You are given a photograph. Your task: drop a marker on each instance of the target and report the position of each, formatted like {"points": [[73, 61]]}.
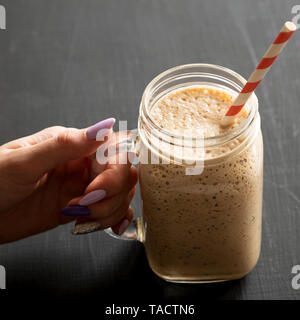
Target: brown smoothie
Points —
{"points": [[203, 227]]}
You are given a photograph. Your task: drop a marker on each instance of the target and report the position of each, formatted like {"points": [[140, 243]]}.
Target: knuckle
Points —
{"points": [[80, 133], [64, 138], [116, 217], [57, 128], [116, 180], [51, 131]]}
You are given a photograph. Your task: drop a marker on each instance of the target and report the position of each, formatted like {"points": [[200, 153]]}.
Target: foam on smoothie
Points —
{"points": [[194, 111]]}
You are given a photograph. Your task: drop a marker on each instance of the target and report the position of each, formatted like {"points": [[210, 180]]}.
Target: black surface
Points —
{"points": [[75, 62]]}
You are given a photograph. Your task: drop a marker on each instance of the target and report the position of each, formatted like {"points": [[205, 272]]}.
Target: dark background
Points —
{"points": [[73, 63]]}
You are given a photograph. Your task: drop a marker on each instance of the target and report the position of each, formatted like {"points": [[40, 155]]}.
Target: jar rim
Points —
{"points": [[229, 135]]}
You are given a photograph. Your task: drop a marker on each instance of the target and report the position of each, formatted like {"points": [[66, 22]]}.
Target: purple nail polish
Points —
{"points": [[76, 211], [123, 226], [92, 197], [91, 132], [101, 134]]}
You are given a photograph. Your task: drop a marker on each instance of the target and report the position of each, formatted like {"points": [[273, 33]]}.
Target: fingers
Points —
{"points": [[115, 150], [34, 138], [84, 225], [99, 209], [119, 221], [121, 226], [67, 144], [117, 215], [106, 191], [106, 208], [113, 180], [109, 154]]}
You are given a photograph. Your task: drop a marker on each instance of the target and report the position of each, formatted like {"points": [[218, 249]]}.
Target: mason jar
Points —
{"points": [[200, 220]]}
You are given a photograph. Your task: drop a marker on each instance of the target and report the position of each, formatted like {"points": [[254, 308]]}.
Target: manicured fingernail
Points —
{"points": [[86, 227], [102, 134], [92, 197], [76, 211], [123, 226], [91, 132]]}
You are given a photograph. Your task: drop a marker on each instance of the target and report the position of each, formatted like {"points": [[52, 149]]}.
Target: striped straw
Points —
{"points": [[261, 70]]}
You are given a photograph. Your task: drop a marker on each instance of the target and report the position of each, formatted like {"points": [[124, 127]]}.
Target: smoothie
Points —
{"points": [[203, 227]]}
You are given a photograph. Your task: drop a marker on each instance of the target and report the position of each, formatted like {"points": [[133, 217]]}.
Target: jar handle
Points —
{"points": [[128, 141], [135, 230]]}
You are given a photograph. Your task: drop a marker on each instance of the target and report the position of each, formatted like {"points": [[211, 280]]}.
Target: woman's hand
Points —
{"points": [[45, 181]]}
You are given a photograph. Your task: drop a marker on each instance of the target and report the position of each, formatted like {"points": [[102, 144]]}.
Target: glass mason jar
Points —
{"points": [[202, 226]]}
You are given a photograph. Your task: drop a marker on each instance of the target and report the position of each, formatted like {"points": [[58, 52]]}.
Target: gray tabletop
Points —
{"points": [[74, 62]]}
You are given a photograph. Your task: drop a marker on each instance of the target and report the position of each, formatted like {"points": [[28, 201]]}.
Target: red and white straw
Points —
{"points": [[261, 70]]}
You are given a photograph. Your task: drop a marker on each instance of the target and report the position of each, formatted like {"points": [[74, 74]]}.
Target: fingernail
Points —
{"points": [[101, 134], [86, 227], [76, 211], [123, 226], [91, 132], [92, 197]]}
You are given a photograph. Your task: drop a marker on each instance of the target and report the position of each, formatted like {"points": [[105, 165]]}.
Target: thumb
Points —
{"points": [[66, 145]]}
